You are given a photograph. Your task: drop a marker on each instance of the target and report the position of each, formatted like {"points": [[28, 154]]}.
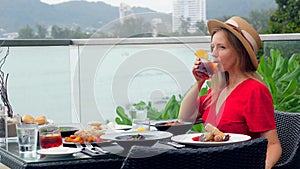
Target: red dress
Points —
{"points": [[247, 110]]}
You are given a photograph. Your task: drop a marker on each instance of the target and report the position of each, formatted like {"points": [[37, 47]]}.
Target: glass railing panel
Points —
{"points": [[39, 81], [286, 47], [119, 75]]}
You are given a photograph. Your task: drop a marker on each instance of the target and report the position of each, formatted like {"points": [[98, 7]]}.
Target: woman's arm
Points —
{"points": [[274, 148], [189, 105]]}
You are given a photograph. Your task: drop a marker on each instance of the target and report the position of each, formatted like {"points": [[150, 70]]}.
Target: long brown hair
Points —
{"points": [[221, 79]]}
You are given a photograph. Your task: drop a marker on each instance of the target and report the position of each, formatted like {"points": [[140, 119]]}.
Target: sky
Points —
{"points": [[157, 5]]}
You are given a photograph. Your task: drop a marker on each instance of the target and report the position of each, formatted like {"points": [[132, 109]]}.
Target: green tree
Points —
{"points": [[66, 33], [260, 19], [56, 32], [286, 18], [26, 33], [133, 27], [42, 31], [185, 26], [201, 28]]}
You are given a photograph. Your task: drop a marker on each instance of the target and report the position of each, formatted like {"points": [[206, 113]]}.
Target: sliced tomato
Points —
{"points": [[72, 136], [197, 138]]}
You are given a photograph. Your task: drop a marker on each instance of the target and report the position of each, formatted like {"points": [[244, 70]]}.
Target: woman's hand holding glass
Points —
{"points": [[203, 67], [200, 71]]}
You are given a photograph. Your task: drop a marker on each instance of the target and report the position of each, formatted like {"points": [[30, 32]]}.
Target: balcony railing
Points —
{"points": [[85, 80]]}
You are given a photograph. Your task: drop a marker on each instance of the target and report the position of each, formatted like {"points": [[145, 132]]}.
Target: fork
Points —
{"points": [[78, 145], [89, 145]]}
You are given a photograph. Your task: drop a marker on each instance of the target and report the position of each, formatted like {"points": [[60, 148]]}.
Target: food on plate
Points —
{"points": [[29, 119], [74, 139], [212, 134], [141, 129], [40, 120], [137, 137], [134, 137], [86, 135], [95, 125], [173, 123]]}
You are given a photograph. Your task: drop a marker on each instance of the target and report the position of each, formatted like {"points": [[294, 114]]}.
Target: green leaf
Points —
{"points": [[124, 118], [291, 75], [175, 111], [198, 128], [291, 88], [118, 120]]}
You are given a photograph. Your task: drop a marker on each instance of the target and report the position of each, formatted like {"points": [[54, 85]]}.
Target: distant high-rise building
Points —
{"points": [[192, 11]]}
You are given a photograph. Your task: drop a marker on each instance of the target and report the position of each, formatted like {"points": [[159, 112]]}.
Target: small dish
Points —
{"points": [[59, 151], [66, 131], [118, 127], [174, 126]]}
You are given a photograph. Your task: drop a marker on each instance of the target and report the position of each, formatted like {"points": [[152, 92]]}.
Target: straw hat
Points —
{"points": [[243, 31]]}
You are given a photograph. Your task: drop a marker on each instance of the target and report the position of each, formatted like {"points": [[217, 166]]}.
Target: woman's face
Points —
{"points": [[224, 53]]}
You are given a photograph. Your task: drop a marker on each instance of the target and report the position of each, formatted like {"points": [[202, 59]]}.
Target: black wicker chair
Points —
{"points": [[245, 155], [288, 128]]}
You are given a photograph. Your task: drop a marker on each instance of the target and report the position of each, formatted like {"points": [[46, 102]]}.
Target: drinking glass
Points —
{"points": [[208, 68], [50, 136], [140, 122], [27, 137], [141, 125]]}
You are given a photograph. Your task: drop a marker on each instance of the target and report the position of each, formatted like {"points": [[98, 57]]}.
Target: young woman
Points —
{"points": [[238, 101]]}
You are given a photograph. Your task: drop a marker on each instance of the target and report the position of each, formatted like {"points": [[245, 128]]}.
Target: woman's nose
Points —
{"points": [[214, 54]]}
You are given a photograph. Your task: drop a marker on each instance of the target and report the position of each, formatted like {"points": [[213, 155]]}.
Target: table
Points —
{"points": [[10, 156]]}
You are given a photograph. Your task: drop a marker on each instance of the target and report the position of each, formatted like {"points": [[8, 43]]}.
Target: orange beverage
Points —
{"points": [[50, 136], [50, 141], [208, 67]]}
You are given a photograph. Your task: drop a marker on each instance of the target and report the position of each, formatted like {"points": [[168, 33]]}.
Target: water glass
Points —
{"points": [[27, 137], [141, 125], [138, 113], [50, 136]]}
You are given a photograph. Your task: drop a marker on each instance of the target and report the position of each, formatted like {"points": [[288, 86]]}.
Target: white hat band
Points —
{"points": [[244, 33]]}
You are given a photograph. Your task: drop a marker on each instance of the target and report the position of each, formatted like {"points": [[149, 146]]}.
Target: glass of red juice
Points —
{"points": [[50, 137]]}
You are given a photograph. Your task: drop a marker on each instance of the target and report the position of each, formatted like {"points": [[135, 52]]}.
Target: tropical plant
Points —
{"points": [[170, 111], [282, 76]]}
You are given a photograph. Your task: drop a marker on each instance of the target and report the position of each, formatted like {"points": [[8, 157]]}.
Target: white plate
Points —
{"points": [[58, 151], [187, 139], [122, 127], [112, 126], [151, 137]]}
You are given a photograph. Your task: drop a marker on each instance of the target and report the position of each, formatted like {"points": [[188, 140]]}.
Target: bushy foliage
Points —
{"points": [[282, 76], [286, 18]]}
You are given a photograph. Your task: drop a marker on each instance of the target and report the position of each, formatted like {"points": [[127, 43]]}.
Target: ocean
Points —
{"points": [[86, 83]]}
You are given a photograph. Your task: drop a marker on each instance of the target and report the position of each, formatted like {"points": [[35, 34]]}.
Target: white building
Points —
{"points": [[194, 10]]}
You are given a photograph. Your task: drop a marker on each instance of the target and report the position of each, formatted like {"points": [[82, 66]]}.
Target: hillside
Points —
{"points": [[17, 14], [219, 8]]}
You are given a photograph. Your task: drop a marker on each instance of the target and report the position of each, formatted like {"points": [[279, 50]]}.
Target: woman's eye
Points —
{"points": [[222, 47], [212, 48]]}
